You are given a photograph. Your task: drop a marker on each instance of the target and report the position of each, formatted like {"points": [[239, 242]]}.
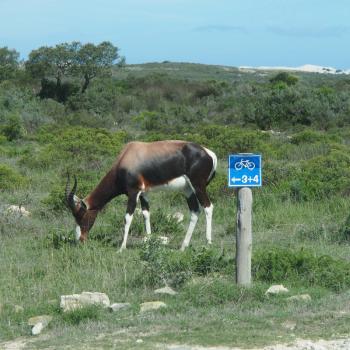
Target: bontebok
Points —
{"points": [[141, 168]]}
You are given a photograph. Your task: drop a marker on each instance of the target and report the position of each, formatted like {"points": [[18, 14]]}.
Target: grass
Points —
{"points": [[39, 262], [209, 309]]}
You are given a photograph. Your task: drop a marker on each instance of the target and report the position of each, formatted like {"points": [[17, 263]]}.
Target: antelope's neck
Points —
{"points": [[104, 192]]}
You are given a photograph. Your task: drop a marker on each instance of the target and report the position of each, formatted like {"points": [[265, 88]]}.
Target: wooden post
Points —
{"points": [[244, 236]]}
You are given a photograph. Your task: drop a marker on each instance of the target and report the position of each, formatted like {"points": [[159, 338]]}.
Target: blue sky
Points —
{"points": [[227, 32]]}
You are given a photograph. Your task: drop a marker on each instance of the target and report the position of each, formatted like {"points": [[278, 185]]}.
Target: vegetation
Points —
{"points": [[74, 106]]}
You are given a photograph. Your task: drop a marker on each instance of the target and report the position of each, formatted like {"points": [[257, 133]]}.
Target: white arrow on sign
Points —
{"points": [[234, 179]]}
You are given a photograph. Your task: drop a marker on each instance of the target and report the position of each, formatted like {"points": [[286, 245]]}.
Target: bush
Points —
{"points": [[13, 128], [284, 77], [301, 267], [311, 136], [79, 148], [164, 266], [10, 179], [206, 292], [86, 313], [344, 231], [324, 176]]}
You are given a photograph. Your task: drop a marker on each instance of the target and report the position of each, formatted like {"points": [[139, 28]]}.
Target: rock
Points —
{"points": [[119, 306], [164, 240], [178, 216], [39, 323], [37, 328], [165, 290], [139, 341], [70, 302], [276, 289], [94, 298], [290, 325], [75, 301], [17, 209], [44, 319], [152, 305], [300, 297]]}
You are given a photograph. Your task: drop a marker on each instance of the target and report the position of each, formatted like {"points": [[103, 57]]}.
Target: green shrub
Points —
{"points": [[302, 267], [324, 176], [10, 179], [83, 314], [312, 136], [13, 128], [284, 77], [78, 148], [344, 232], [207, 291], [162, 265]]}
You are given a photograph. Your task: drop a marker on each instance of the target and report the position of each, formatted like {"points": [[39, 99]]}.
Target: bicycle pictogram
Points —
{"points": [[245, 164]]}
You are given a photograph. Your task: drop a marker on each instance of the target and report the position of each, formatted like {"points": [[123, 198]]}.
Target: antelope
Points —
{"points": [[144, 167]]}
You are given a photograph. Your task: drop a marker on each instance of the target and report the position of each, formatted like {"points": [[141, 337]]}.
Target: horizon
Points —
{"points": [[274, 33]]}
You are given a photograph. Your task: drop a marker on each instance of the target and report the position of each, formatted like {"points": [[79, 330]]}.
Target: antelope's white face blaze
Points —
{"points": [[77, 232]]}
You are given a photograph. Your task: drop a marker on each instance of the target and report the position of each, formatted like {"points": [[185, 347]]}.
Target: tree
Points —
{"points": [[95, 60], [284, 77], [8, 63], [52, 62], [68, 60]]}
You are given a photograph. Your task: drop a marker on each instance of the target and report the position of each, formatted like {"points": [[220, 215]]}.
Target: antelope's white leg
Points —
{"points": [[128, 220], [192, 225], [208, 215], [77, 232], [146, 216]]}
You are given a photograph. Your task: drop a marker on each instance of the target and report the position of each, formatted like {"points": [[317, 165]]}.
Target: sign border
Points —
{"points": [[245, 185]]}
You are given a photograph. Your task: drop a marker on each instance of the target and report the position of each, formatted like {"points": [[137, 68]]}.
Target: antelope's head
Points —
{"points": [[84, 217]]}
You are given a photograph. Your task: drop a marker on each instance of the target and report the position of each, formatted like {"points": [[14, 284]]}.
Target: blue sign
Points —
{"points": [[244, 170]]}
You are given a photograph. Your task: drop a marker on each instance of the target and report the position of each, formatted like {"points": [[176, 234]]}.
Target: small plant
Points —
{"points": [[10, 179], [175, 267], [344, 231], [13, 128], [83, 314], [278, 265]]}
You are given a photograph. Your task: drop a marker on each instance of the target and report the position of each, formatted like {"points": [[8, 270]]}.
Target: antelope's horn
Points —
{"points": [[70, 194]]}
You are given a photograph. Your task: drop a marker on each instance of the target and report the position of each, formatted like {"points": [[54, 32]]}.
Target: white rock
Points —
{"points": [[139, 341], [75, 301], [276, 289], [178, 216], [119, 306], [152, 305], [300, 297], [164, 240], [70, 302], [16, 209], [37, 328], [165, 290], [290, 325], [94, 298], [39, 323]]}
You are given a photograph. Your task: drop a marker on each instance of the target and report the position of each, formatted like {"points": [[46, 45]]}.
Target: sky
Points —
{"points": [[222, 32]]}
